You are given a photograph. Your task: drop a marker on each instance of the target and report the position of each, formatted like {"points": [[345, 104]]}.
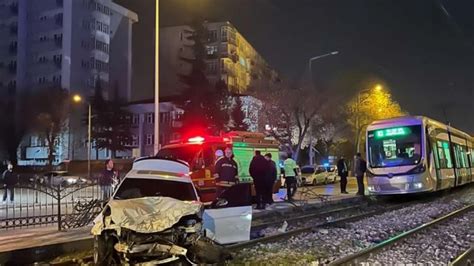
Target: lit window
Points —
{"points": [[211, 49]]}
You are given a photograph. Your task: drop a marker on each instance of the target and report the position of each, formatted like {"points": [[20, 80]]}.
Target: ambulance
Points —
{"points": [[200, 153]]}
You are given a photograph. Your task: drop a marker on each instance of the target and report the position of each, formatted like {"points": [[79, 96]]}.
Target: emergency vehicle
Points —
{"points": [[200, 153]]}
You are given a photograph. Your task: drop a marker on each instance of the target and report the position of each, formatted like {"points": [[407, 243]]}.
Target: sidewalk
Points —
{"points": [[40, 236]]}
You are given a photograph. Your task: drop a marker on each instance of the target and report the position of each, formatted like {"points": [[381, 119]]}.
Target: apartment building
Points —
{"points": [[229, 57], [66, 43]]}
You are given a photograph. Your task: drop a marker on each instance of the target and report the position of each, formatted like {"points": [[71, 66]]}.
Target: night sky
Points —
{"points": [[422, 50]]}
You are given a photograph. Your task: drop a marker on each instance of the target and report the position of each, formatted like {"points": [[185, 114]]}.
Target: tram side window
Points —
{"points": [[445, 160], [461, 156], [472, 158]]}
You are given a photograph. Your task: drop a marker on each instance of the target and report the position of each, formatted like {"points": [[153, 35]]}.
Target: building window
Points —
{"points": [[57, 79], [211, 49], [102, 46], [134, 140], [150, 118], [149, 139], [135, 119], [42, 59], [213, 35], [165, 118], [101, 65], [43, 18], [211, 67], [43, 38], [100, 26], [42, 80], [224, 33], [58, 58]]}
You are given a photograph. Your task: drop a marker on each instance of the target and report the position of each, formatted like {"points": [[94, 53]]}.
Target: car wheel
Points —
{"points": [[104, 252]]}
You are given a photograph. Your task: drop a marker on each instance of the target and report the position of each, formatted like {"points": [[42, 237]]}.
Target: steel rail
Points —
{"points": [[361, 256], [277, 237], [466, 258]]}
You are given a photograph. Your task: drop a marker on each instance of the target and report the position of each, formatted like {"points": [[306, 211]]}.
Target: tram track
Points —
{"points": [[309, 228], [362, 256], [316, 219]]}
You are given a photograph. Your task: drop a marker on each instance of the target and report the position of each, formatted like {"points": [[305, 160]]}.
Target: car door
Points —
{"points": [[229, 218]]}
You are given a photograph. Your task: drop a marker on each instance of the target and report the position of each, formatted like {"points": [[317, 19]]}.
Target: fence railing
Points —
{"points": [[41, 205]]}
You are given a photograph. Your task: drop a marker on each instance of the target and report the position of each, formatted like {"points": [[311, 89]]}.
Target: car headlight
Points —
{"points": [[371, 188], [71, 180], [417, 185]]}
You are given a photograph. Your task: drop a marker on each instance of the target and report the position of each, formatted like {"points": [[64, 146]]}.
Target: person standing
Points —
{"points": [[291, 171], [343, 172], [360, 166], [270, 180], [259, 169], [9, 182], [226, 171], [107, 179]]}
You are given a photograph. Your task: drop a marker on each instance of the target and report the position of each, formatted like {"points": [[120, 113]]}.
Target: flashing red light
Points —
{"points": [[196, 140], [226, 139]]}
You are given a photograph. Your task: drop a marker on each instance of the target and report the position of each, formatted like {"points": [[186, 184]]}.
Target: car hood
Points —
{"points": [[145, 215]]}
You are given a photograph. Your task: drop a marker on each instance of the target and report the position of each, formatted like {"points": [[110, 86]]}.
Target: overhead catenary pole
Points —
{"points": [[157, 77], [311, 153]]}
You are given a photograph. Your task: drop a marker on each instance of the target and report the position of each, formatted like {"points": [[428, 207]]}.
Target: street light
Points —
{"points": [[78, 99], [318, 57], [311, 153]]}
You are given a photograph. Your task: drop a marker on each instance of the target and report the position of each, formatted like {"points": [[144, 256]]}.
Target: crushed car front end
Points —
{"points": [[154, 230]]}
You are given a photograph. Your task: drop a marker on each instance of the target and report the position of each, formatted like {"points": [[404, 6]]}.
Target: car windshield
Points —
{"points": [[132, 188], [396, 146], [307, 170]]}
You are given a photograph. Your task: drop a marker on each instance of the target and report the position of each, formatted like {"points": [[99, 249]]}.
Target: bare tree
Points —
{"points": [[51, 108], [290, 113]]}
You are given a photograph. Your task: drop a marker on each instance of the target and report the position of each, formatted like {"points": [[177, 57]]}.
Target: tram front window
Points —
{"points": [[395, 146]]}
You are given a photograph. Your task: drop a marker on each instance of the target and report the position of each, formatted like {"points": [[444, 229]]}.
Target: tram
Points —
{"points": [[415, 154]]}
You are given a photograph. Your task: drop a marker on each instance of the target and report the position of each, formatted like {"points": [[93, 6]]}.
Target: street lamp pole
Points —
{"points": [[311, 152], [78, 99], [89, 131], [157, 77]]}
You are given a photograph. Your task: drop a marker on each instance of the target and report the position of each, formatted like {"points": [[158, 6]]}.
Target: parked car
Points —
{"points": [[58, 178], [155, 216], [320, 174]]}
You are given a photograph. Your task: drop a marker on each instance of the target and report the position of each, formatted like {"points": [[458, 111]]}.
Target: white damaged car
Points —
{"points": [[155, 217]]}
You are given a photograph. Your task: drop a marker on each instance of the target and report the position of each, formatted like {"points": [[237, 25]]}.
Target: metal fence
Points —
{"points": [[41, 205]]}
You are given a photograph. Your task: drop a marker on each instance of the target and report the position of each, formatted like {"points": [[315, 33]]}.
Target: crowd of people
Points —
{"points": [[264, 173]]}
